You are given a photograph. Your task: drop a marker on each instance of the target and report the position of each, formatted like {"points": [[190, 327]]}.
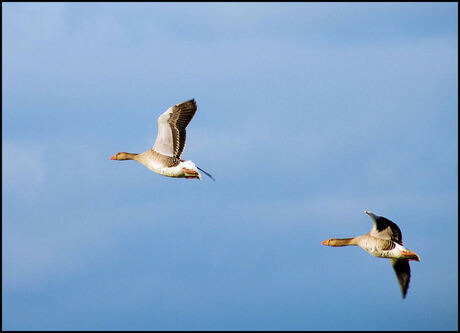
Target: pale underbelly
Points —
{"points": [[176, 171]]}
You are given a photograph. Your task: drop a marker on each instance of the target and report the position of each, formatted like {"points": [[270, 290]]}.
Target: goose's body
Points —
{"points": [[383, 241], [164, 157]]}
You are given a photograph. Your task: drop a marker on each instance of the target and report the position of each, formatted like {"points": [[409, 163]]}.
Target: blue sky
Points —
{"points": [[308, 115]]}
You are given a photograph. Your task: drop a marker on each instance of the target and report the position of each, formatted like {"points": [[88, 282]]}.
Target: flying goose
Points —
{"points": [[165, 155], [384, 241]]}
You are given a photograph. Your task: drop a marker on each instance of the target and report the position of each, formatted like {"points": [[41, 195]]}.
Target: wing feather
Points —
{"points": [[402, 270], [171, 128], [385, 229]]}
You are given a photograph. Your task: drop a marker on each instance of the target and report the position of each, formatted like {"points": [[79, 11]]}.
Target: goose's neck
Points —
{"points": [[127, 156], [130, 156], [342, 241]]}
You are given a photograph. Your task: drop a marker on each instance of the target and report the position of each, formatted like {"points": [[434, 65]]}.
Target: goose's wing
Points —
{"points": [[171, 129], [385, 229], [402, 270]]}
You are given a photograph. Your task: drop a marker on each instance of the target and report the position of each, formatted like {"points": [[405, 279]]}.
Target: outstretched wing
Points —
{"points": [[402, 270], [171, 129], [385, 229]]}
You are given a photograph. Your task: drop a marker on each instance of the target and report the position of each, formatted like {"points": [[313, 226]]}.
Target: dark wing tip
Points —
{"points": [[190, 101], [402, 270]]}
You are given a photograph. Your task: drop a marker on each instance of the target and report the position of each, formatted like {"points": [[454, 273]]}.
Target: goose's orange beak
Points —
{"points": [[114, 157], [324, 242]]}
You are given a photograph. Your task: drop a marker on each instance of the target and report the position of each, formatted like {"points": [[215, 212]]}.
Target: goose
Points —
{"points": [[383, 241], [164, 157]]}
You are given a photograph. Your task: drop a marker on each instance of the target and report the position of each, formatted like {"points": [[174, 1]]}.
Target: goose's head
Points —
{"points": [[121, 156]]}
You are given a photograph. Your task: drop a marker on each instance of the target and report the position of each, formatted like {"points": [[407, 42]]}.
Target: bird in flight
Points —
{"points": [[165, 157], [384, 241]]}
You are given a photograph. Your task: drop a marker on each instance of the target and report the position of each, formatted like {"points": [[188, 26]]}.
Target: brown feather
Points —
{"points": [[180, 117]]}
